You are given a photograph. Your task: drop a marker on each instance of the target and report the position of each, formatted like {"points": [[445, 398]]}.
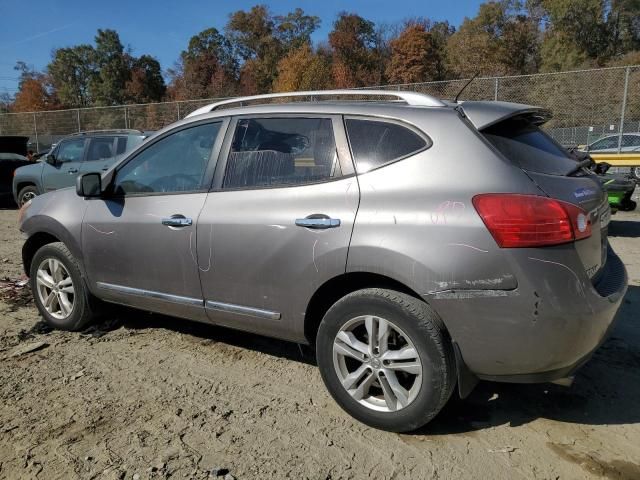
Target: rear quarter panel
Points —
{"points": [[416, 222]]}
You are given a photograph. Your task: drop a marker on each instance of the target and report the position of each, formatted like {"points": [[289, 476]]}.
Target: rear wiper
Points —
{"points": [[579, 166]]}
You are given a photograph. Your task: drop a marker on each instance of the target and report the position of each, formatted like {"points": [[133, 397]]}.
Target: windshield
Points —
{"points": [[529, 147]]}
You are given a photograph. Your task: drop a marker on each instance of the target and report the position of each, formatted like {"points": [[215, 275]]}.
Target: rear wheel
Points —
{"points": [[59, 290], [386, 359], [27, 193], [627, 205], [635, 171]]}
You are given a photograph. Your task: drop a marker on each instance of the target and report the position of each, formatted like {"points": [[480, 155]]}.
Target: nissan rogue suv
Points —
{"points": [[418, 244]]}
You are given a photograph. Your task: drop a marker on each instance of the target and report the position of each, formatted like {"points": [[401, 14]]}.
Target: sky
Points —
{"points": [[30, 30]]}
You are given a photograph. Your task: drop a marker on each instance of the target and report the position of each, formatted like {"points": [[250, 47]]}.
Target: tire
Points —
{"points": [[26, 194], [434, 375], [635, 172], [59, 315], [628, 205]]}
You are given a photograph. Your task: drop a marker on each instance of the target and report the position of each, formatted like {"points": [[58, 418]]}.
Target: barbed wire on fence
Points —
{"points": [[586, 105]]}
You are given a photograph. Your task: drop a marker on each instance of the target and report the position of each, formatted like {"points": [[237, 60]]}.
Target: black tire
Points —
{"points": [[425, 330], [26, 194], [84, 304], [635, 172], [628, 205]]}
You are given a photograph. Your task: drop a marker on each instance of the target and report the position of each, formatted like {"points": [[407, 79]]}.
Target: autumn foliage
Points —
{"points": [[258, 52]]}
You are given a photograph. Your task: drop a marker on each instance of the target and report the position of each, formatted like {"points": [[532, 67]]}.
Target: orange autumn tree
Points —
{"points": [[303, 69], [414, 56]]}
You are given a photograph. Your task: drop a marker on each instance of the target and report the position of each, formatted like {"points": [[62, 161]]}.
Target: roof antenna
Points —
{"points": [[455, 100]]}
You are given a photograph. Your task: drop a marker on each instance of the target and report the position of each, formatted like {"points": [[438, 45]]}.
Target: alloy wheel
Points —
{"points": [[377, 364], [55, 288]]}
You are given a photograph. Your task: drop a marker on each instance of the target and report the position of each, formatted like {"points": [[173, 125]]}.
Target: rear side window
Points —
{"points": [[100, 148], [122, 145], [271, 152], [529, 147], [375, 143]]}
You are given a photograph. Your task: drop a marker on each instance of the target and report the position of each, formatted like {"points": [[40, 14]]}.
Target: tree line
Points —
{"points": [[260, 52]]}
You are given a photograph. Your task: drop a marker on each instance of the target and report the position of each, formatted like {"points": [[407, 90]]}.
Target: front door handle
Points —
{"points": [[72, 170], [319, 222], [177, 221]]}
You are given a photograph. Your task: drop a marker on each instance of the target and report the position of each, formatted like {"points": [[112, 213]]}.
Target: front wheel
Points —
{"points": [[27, 193], [386, 359], [58, 288]]}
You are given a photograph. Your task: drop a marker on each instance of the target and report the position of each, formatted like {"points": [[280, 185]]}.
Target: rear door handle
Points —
{"points": [[318, 222], [73, 170], [177, 221]]}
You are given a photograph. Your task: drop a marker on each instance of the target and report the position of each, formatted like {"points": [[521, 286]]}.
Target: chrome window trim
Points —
{"points": [[241, 310]]}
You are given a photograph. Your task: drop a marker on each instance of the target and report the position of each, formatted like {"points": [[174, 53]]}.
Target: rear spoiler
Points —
{"points": [[486, 114]]}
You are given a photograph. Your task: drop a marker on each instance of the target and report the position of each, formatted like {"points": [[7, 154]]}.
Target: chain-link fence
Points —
{"points": [[586, 104]]}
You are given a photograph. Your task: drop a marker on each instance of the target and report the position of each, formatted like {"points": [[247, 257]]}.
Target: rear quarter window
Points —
{"points": [[527, 146], [375, 143]]}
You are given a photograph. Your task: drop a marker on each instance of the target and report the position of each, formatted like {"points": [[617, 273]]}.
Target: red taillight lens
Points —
{"points": [[531, 221]]}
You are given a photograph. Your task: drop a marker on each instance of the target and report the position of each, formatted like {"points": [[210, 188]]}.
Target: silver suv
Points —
{"points": [[416, 243]]}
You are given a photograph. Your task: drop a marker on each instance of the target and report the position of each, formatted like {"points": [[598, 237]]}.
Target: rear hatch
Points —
{"points": [[514, 130]]}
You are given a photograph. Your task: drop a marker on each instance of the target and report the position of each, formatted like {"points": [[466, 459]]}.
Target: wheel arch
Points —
{"points": [[25, 183], [22, 184], [336, 288], [32, 245]]}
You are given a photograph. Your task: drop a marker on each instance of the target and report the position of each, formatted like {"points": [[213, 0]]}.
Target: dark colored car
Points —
{"points": [[12, 156]]}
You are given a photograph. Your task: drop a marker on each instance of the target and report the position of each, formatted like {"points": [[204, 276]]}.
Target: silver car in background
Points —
{"points": [[418, 244]]}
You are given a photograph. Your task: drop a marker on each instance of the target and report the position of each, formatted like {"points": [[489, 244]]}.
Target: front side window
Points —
{"points": [[268, 152], [176, 163], [70, 151], [375, 143], [121, 146], [100, 148]]}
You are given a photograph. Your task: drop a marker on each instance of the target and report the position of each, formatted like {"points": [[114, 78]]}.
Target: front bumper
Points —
{"points": [[546, 328]]}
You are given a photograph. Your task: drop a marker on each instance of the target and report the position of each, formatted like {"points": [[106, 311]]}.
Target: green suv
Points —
{"points": [[83, 152]]}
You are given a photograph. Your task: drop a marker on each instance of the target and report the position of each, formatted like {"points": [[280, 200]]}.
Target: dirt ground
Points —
{"points": [[145, 396]]}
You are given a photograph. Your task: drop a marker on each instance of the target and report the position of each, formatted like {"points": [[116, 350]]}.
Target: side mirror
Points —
{"points": [[51, 159], [89, 185]]}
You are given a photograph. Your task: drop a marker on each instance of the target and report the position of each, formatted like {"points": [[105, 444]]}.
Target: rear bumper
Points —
{"points": [[546, 328]]}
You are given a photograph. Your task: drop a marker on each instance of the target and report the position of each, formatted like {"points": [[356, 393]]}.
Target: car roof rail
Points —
{"points": [[108, 131], [410, 98]]}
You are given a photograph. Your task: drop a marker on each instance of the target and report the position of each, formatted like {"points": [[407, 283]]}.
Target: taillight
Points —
{"points": [[517, 220]]}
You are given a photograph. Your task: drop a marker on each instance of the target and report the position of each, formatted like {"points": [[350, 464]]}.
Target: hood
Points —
{"points": [[33, 169], [485, 114]]}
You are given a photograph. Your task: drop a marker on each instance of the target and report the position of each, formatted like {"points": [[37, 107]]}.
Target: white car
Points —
{"points": [[609, 144]]}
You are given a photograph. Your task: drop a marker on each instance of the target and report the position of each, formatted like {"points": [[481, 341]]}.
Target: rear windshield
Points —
{"points": [[529, 147]]}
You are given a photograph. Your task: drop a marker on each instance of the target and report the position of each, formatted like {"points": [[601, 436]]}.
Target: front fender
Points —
{"points": [[54, 216], [31, 174]]}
